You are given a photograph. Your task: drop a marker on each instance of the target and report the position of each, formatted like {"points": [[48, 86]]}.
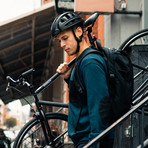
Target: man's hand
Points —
{"points": [[64, 70]]}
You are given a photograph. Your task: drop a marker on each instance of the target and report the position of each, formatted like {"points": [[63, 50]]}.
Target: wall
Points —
{"points": [[145, 13], [120, 26]]}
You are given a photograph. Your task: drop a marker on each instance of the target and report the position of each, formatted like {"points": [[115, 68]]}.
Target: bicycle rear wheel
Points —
{"points": [[136, 46], [31, 135]]}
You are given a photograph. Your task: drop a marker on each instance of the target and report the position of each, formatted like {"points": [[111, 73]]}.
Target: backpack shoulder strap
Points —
{"points": [[78, 83], [86, 52]]}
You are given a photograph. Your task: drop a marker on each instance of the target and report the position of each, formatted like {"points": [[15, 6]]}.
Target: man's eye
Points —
{"points": [[65, 38]]}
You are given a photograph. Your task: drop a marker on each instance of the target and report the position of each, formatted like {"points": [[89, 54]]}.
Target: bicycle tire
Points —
{"points": [[30, 136], [132, 38], [136, 46]]}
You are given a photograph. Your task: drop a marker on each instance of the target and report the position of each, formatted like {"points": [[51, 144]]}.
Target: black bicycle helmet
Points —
{"points": [[65, 21]]}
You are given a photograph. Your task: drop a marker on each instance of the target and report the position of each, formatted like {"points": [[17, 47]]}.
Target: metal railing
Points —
{"points": [[140, 105]]}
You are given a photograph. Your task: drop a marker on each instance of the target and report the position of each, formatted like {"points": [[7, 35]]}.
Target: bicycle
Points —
{"points": [[43, 130], [136, 46]]}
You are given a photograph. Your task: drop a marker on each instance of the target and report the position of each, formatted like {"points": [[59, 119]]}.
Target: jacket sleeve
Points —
{"points": [[94, 78]]}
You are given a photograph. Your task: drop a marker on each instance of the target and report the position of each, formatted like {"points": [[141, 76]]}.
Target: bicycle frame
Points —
{"points": [[44, 123], [40, 113]]}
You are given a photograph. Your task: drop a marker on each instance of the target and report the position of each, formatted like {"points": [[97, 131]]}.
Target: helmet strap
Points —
{"points": [[78, 40]]}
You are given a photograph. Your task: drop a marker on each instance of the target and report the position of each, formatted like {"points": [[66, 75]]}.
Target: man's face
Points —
{"points": [[67, 42]]}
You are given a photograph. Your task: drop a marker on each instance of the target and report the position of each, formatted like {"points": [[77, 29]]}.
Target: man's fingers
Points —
{"points": [[62, 68]]}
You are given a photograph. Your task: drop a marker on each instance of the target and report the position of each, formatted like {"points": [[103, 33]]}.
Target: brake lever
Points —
{"points": [[12, 80]]}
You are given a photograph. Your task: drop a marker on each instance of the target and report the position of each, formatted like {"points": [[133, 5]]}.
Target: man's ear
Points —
{"points": [[78, 32]]}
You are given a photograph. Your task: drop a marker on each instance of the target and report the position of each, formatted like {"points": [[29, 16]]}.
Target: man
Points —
{"points": [[84, 120]]}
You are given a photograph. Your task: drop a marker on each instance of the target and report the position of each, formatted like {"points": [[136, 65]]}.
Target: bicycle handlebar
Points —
{"points": [[23, 75], [21, 80]]}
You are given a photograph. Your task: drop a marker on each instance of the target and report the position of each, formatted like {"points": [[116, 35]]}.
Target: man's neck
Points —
{"points": [[83, 46]]}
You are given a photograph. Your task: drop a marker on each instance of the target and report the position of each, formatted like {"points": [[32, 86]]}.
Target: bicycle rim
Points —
{"points": [[136, 46], [31, 134]]}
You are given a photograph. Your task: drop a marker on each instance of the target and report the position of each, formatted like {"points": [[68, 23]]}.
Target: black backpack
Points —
{"points": [[120, 83]]}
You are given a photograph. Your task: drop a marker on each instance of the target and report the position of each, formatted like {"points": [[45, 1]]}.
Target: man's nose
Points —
{"points": [[62, 44]]}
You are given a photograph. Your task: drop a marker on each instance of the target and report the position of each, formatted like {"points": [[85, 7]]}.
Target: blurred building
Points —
{"points": [[3, 114]]}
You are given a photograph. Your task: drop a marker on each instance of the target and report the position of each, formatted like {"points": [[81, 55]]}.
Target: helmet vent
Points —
{"points": [[73, 14], [62, 20], [68, 17]]}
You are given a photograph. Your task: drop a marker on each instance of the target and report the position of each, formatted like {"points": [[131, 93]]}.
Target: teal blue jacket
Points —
{"points": [[84, 121]]}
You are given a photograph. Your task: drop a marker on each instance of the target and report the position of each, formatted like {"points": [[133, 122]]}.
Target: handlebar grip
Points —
{"points": [[24, 74]]}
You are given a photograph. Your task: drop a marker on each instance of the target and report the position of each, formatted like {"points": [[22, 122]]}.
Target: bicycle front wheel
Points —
{"points": [[136, 46], [31, 135]]}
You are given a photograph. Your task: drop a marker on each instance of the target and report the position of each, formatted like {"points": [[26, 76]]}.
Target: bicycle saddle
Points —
{"points": [[91, 20]]}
